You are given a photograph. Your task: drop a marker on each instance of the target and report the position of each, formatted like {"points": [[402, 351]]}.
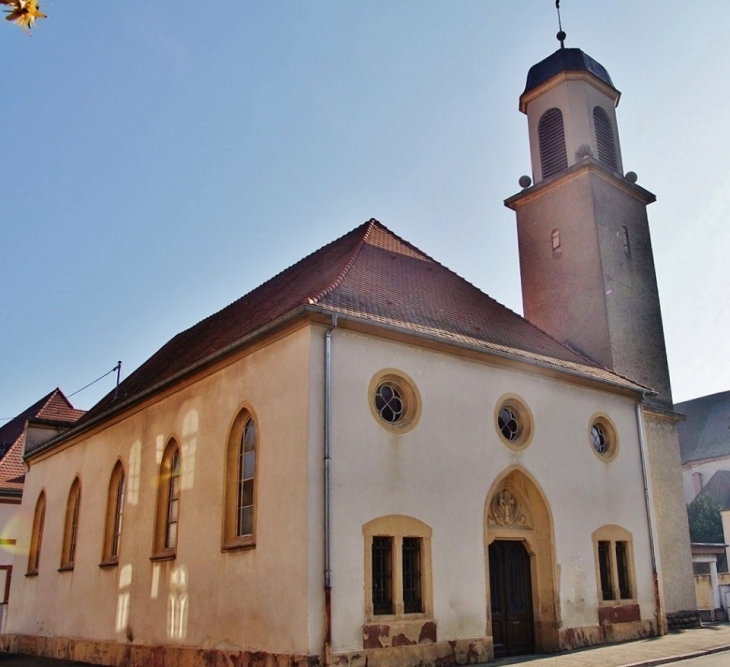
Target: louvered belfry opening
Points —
{"points": [[605, 139], [551, 135]]}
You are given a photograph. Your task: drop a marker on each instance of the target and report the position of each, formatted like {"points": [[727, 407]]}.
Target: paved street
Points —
{"points": [[717, 660], [708, 646]]}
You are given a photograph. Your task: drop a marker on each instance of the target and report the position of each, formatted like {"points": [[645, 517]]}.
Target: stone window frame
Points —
{"points": [[71, 527], [518, 406], [612, 535], [232, 540], [397, 527], [410, 396], [161, 548], [36, 538], [610, 433], [116, 496]]}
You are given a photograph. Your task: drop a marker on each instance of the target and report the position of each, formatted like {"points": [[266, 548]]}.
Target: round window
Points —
{"points": [[514, 422], [394, 400], [509, 424], [603, 437], [390, 402]]}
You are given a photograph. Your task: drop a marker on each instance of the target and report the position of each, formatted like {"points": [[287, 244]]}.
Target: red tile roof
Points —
{"points": [[52, 407], [372, 274]]}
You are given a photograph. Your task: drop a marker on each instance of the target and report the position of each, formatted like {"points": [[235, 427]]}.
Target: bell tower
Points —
{"points": [[586, 261], [588, 277]]}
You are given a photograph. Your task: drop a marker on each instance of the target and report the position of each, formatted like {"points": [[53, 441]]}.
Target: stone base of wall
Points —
{"points": [[441, 654], [436, 654], [680, 620], [115, 654], [609, 633]]}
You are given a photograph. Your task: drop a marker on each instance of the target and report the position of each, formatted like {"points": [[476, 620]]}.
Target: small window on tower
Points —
{"points": [[625, 239], [555, 239]]}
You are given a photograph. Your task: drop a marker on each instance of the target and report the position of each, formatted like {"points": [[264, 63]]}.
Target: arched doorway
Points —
{"points": [[519, 549]]}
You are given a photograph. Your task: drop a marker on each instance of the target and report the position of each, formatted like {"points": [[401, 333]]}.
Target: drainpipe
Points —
{"points": [[327, 497], [651, 523]]}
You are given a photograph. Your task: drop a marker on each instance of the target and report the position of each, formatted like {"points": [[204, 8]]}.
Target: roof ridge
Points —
{"points": [[370, 225]]}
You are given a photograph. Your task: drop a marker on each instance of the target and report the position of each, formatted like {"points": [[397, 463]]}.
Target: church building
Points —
{"points": [[368, 461]]}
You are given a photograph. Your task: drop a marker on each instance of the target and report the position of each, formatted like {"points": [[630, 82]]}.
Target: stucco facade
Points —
{"points": [[269, 599], [250, 593]]}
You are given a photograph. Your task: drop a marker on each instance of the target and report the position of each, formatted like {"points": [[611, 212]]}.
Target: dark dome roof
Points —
{"points": [[565, 60]]}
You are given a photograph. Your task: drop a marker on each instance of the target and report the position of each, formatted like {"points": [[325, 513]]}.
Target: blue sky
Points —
{"points": [[162, 159]]}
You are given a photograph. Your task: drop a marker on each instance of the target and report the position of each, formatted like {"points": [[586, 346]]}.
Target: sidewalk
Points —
{"points": [[643, 653]]}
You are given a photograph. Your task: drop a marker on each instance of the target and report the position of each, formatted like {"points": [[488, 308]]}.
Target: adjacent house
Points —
{"points": [[53, 411]]}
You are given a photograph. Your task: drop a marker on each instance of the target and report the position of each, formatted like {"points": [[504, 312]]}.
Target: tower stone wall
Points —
{"points": [[588, 279]]}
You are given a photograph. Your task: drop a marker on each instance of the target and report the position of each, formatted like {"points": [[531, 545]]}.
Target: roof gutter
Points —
{"points": [[162, 384], [628, 386]]}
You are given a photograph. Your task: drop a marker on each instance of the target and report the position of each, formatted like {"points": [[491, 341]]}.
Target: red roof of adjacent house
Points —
{"points": [[370, 274], [53, 407]]}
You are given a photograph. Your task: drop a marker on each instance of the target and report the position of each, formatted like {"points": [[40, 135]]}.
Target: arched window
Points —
{"points": [[70, 527], [551, 138], [36, 538], [114, 513], [168, 503], [240, 514], [605, 138]]}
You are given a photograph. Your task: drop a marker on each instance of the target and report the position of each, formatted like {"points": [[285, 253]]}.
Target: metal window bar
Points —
{"points": [[118, 512], [412, 598], [622, 566], [382, 575], [74, 527], [35, 555], [604, 563], [246, 480], [173, 501]]}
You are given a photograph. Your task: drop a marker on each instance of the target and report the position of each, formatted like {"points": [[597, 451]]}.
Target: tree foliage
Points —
{"points": [[23, 13], [705, 522]]}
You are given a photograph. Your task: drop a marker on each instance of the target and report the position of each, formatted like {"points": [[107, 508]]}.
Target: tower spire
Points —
{"points": [[561, 35]]}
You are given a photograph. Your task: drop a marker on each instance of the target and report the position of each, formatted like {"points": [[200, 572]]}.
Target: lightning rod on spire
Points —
{"points": [[561, 35]]}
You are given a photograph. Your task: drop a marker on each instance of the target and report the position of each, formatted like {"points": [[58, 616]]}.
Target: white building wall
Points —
{"points": [[205, 597], [441, 473]]}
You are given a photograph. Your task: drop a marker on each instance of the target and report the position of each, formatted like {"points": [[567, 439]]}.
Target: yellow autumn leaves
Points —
{"points": [[23, 12]]}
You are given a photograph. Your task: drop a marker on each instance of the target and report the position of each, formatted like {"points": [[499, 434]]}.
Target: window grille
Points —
{"points": [[118, 511], [622, 567], [605, 138], [625, 238], [246, 474], [37, 536], [173, 501], [412, 602], [551, 139], [604, 564], [74, 527], [382, 571]]}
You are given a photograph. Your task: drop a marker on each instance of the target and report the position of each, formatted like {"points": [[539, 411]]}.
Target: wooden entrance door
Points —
{"points": [[513, 628]]}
